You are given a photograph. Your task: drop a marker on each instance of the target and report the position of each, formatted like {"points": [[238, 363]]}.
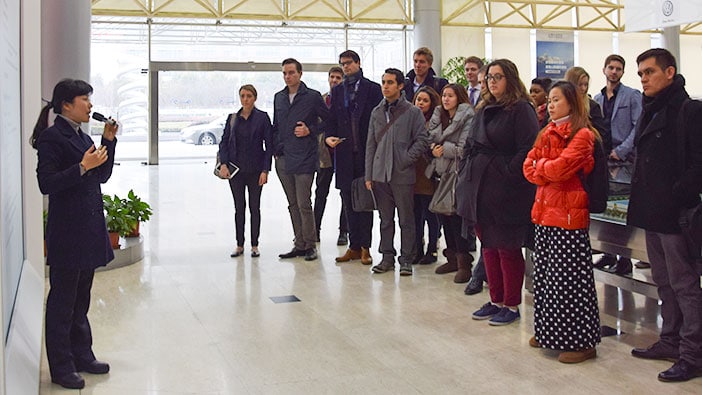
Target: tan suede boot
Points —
{"points": [[464, 261], [366, 257], [349, 256], [450, 266]]}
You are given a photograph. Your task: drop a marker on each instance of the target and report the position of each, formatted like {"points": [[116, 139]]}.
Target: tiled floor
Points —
{"points": [[190, 320]]}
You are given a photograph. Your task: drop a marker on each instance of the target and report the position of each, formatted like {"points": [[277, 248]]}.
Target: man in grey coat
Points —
{"points": [[397, 137]]}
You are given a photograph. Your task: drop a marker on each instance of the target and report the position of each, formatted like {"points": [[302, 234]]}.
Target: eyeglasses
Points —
{"points": [[345, 63], [494, 77]]}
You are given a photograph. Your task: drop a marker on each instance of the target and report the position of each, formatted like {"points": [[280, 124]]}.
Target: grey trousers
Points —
{"points": [[401, 197], [679, 290], [298, 190]]}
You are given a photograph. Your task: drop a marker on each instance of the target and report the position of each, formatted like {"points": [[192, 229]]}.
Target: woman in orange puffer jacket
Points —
{"points": [[566, 317]]}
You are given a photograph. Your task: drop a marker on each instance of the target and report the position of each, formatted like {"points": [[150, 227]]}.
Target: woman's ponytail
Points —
{"points": [[42, 123]]}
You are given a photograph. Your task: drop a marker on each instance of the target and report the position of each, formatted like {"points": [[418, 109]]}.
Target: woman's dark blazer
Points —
{"points": [[76, 235], [258, 143], [491, 187]]}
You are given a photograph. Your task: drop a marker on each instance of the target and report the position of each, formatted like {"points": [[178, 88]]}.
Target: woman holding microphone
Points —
{"points": [[70, 170]]}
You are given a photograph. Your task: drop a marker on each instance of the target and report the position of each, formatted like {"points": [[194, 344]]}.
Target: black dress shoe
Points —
{"points": [[343, 239], [93, 367], [656, 351], [475, 285], [680, 371], [71, 381], [294, 253], [605, 261], [311, 254], [623, 266], [428, 259]]}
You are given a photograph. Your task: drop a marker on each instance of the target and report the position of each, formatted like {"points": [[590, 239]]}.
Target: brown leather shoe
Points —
{"points": [[366, 257], [534, 343], [349, 255], [577, 356]]}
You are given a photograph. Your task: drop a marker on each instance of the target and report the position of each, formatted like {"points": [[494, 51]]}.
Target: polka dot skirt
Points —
{"points": [[566, 316]]}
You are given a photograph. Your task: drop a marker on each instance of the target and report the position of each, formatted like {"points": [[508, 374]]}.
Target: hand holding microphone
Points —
{"points": [[110, 126]]}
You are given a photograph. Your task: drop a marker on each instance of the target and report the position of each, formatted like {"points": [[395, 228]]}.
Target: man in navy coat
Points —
{"points": [[346, 130]]}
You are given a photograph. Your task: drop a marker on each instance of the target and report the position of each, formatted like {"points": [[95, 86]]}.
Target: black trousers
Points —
{"points": [[67, 330], [422, 215], [238, 184]]}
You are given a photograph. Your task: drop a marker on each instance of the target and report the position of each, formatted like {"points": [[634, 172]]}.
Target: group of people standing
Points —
{"points": [[518, 159], [518, 172]]}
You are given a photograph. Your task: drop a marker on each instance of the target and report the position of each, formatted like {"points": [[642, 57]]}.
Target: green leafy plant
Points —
{"points": [[454, 72], [137, 208], [117, 217]]}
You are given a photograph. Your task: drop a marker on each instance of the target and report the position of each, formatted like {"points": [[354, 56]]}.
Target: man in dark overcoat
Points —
{"points": [[347, 130], [668, 179]]}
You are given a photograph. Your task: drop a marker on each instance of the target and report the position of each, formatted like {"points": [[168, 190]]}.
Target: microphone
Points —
{"points": [[99, 117]]}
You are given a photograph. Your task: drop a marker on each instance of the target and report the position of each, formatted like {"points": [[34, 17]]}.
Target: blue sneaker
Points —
{"points": [[487, 311], [504, 317]]}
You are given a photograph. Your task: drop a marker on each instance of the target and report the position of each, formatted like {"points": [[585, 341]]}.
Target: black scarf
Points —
{"points": [[651, 105]]}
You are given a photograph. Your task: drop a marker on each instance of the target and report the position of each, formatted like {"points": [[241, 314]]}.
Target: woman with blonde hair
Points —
{"points": [[566, 316]]}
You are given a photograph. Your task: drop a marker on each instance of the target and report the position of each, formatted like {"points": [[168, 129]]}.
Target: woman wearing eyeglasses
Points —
{"points": [[492, 193]]}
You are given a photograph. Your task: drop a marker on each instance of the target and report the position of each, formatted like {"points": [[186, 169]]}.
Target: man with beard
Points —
{"points": [[621, 107]]}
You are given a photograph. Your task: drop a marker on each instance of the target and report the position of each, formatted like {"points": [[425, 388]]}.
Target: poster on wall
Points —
{"points": [[653, 14], [555, 53]]}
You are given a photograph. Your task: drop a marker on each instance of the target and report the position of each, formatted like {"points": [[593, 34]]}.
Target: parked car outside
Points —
{"points": [[204, 134]]}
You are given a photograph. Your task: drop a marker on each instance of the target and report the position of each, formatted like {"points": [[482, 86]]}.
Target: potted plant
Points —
{"points": [[138, 209], [117, 218]]}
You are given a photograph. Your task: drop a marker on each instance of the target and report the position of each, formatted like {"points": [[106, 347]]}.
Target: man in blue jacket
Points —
{"points": [[347, 129], [621, 107], [297, 111], [422, 74]]}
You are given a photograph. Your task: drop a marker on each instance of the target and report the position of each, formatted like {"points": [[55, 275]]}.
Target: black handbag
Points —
{"points": [[362, 199]]}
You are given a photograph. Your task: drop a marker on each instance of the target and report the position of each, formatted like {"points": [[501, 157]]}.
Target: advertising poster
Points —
{"points": [[555, 53]]}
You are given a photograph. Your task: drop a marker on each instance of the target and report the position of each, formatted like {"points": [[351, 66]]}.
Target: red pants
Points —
{"points": [[505, 274]]}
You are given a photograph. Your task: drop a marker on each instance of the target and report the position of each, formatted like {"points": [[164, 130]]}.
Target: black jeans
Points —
{"points": [[452, 233], [238, 184]]}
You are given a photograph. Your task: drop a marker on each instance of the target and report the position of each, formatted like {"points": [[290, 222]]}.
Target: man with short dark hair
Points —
{"points": [[621, 107], [471, 67], [346, 131], [422, 74], [668, 179], [397, 137], [325, 172], [297, 111]]}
